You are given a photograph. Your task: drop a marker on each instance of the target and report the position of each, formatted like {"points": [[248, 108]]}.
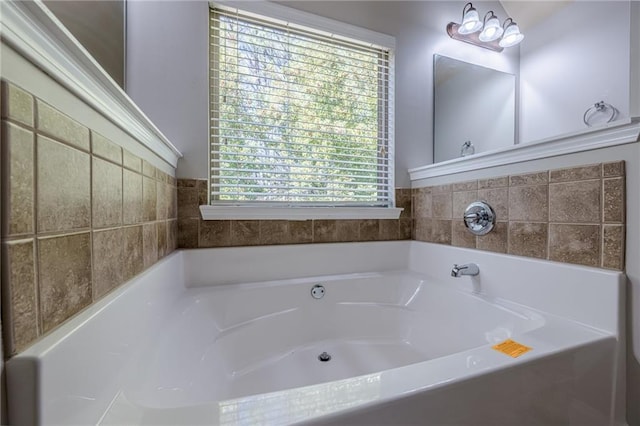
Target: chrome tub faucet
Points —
{"points": [[468, 269]]}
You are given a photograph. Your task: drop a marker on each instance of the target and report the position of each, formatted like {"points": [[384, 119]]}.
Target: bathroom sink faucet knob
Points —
{"points": [[468, 269]]}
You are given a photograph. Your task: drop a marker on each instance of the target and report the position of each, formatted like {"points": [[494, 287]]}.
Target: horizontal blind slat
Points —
{"points": [[294, 170], [382, 175], [292, 195], [289, 128], [267, 142], [298, 57], [229, 181], [372, 164], [289, 90], [216, 104]]}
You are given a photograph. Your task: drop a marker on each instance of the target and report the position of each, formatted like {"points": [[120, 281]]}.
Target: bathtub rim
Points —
{"points": [[36, 354]]}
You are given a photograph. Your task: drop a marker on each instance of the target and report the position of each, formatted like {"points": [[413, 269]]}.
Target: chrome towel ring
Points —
{"points": [[601, 106]]}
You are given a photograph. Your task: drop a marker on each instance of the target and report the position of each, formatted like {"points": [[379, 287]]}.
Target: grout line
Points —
{"points": [[36, 230]]}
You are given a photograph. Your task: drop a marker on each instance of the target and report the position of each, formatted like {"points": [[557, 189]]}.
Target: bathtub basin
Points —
{"points": [[233, 336]]}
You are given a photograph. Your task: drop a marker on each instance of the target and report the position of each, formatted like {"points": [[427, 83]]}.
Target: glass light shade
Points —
{"points": [[492, 30], [512, 36], [470, 22]]}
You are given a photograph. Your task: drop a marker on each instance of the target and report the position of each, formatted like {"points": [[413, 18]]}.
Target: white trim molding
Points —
{"points": [[220, 212], [34, 32], [619, 133]]}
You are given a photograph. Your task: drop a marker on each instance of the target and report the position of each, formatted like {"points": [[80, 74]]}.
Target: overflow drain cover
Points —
{"points": [[324, 357]]}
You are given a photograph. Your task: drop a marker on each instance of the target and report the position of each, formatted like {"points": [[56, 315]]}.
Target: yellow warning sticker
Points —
{"points": [[511, 348]]}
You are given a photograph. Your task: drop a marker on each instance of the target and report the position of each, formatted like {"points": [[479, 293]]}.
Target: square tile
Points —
{"points": [[17, 180], [64, 271], [529, 179], [162, 201], [423, 229], [347, 230], [148, 169], [613, 247], [369, 230], [613, 169], [105, 149], [441, 205], [593, 171], [161, 230], [389, 229], [324, 231], [496, 240], [470, 185], [614, 200], [106, 193], [188, 203], [131, 197], [496, 182], [579, 244], [274, 232], [528, 239], [17, 104], [300, 232], [133, 245], [404, 229], [20, 306], [131, 161], [172, 235], [64, 200], [529, 203], [62, 127], [149, 199], [107, 261], [215, 233], [575, 202], [460, 235], [188, 233], [441, 231], [149, 244], [422, 203], [245, 232]]}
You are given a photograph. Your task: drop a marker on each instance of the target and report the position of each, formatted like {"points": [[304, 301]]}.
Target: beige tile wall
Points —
{"points": [[193, 232], [574, 215], [80, 216]]}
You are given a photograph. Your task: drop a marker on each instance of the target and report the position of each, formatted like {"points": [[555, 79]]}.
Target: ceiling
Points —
{"points": [[528, 13]]}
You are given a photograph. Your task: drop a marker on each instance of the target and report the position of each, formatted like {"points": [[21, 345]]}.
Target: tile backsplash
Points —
{"points": [[573, 215], [193, 232], [81, 215]]}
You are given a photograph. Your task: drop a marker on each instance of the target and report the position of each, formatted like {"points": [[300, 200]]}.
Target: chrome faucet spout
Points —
{"points": [[467, 269]]}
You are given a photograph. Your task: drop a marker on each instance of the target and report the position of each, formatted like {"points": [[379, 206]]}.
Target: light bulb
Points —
{"points": [[492, 29], [512, 35], [470, 20]]}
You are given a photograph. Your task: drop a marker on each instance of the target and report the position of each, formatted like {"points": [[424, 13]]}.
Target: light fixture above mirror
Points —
{"points": [[487, 33]]}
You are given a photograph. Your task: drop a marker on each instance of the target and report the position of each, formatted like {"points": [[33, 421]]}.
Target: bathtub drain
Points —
{"points": [[324, 357]]}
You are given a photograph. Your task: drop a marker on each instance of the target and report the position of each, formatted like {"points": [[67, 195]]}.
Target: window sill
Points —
{"points": [[296, 213]]}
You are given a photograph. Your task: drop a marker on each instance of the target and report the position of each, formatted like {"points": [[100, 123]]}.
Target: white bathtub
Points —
{"points": [[232, 336]]}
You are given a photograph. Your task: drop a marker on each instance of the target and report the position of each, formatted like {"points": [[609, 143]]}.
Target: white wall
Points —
{"points": [[570, 61], [167, 74], [167, 68]]}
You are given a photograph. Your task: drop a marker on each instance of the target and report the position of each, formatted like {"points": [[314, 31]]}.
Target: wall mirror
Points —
{"points": [[474, 109]]}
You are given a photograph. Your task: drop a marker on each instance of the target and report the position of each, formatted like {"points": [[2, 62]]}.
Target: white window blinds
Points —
{"points": [[297, 117]]}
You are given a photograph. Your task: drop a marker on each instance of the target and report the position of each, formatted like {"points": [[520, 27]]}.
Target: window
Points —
{"points": [[298, 117]]}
